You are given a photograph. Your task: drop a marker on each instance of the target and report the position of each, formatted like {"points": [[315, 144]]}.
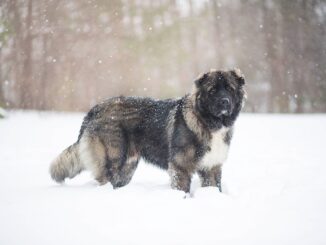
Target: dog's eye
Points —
{"points": [[229, 88], [212, 91]]}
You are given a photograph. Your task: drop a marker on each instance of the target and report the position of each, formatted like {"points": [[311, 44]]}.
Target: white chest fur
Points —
{"points": [[218, 150]]}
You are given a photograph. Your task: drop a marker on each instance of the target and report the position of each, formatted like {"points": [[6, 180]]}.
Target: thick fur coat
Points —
{"points": [[184, 136]]}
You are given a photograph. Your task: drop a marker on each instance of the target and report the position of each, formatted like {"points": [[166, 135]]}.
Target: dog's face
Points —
{"points": [[220, 93]]}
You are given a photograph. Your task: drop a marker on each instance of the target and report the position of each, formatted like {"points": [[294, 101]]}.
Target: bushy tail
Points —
{"points": [[67, 164]]}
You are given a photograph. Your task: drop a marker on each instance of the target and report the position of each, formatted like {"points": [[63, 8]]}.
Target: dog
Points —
{"points": [[183, 136]]}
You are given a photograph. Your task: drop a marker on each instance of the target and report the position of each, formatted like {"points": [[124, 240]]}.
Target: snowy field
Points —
{"points": [[274, 182]]}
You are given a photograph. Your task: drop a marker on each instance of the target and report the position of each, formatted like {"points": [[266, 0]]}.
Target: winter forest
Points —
{"points": [[70, 55]]}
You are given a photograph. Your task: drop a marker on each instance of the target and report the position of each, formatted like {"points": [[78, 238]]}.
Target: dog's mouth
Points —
{"points": [[223, 113]]}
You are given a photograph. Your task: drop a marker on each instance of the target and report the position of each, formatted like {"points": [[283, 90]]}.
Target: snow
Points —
{"points": [[274, 182]]}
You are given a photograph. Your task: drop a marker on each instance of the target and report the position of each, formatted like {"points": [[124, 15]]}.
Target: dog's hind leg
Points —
{"points": [[128, 167], [122, 159], [93, 156], [124, 176]]}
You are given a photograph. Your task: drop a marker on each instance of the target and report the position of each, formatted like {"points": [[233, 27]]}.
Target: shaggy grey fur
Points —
{"points": [[184, 136]]}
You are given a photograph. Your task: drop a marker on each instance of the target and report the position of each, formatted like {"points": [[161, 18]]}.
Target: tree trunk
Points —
{"points": [[2, 97], [193, 39], [44, 76], [273, 59], [14, 74], [217, 39], [27, 100]]}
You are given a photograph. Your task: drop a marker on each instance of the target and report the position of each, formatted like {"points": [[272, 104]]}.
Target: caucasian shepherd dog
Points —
{"points": [[184, 136]]}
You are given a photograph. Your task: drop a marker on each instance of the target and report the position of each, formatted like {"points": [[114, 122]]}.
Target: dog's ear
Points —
{"points": [[201, 80], [238, 75]]}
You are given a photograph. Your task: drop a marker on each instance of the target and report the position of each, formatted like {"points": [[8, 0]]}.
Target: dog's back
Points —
{"points": [[114, 135]]}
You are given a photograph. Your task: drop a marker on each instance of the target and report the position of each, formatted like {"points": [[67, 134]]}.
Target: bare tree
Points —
{"points": [[69, 55], [27, 72]]}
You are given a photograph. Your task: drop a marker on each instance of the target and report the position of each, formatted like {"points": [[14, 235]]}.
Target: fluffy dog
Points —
{"points": [[184, 136]]}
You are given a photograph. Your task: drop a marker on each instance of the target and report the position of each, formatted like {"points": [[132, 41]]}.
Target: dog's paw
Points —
{"points": [[188, 195]]}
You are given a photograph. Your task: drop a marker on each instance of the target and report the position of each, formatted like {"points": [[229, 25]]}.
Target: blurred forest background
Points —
{"points": [[69, 55]]}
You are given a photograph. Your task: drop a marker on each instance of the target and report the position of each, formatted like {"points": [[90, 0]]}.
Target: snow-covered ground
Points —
{"points": [[274, 179]]}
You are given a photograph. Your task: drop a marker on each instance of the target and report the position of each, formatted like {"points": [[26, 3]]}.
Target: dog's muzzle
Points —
{"points": [[225, 105]]}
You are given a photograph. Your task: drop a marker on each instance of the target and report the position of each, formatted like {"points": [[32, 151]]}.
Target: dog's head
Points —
{"points": [[219, 95]]}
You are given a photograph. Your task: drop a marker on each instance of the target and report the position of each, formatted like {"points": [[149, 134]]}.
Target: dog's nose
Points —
{"points": [[225, 102]]}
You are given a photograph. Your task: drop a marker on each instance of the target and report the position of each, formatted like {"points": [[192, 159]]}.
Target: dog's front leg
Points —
{"points": [[180, 177], [211, 177]]}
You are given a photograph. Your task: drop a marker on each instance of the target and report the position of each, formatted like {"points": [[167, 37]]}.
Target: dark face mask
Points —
{"points": [[218, 101]]}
